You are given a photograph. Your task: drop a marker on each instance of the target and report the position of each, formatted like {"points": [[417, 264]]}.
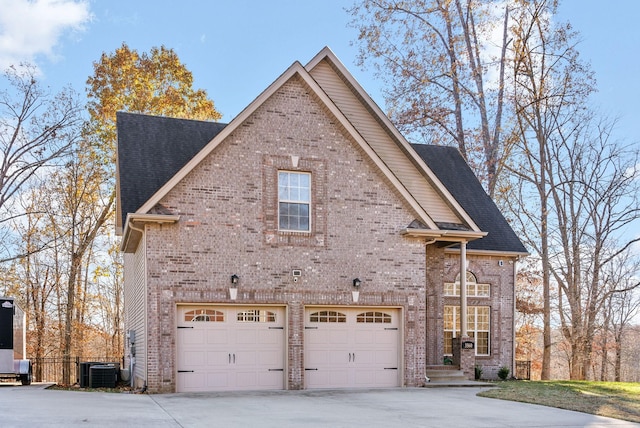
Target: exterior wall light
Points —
{"points": [[233, 288], [355, 293]]}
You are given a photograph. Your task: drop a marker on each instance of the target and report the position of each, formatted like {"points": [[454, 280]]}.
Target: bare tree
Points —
{"points": [[85, 202], [445, 71], [550, 87], [37, 129], [623, 302]]}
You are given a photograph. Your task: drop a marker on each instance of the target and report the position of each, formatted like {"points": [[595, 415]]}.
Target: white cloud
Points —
{"points": [[29, 28]]}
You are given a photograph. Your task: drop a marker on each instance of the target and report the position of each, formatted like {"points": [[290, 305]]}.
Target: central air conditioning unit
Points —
{"points": [[102, 376]]}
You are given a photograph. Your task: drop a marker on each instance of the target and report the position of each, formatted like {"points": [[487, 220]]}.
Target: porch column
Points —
{"points": [[464, 345], [463, 289]]}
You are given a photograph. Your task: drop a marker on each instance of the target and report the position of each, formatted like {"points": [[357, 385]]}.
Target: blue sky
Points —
{"points": [[235, 49]]}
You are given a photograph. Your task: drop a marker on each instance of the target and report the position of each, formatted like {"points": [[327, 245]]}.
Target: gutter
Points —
{"points": [[443, 235], [133, 231]]}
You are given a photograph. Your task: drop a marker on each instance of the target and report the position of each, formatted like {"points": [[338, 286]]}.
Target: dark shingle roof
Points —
{"points": [[451, 169], [152, 149]]}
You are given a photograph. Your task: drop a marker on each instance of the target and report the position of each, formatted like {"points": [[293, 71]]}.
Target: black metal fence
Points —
{"points": [[50, 369], [523, 370]]}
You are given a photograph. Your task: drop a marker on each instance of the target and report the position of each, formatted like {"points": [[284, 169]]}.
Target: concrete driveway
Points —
{"points": [[35, 406]]}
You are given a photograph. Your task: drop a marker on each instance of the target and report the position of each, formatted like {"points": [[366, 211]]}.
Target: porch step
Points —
{"points": [[445, 374]]}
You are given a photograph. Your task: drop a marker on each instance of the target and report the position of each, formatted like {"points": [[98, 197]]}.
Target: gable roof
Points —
{"points": [[151, 150], [295, 70], [454, 172]]}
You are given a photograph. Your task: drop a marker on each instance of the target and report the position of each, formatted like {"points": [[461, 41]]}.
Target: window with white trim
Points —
{"points": [[478, 326], [294, 201], [474, 289]]}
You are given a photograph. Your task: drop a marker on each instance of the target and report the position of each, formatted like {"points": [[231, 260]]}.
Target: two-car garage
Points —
{"points": [[225, 348]]}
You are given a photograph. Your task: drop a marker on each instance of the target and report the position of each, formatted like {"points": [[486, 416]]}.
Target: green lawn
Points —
{"points": [[613, 399]]}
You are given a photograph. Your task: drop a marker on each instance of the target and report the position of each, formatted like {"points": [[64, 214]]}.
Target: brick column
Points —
{"points": [[464, 355], [296, 346]]}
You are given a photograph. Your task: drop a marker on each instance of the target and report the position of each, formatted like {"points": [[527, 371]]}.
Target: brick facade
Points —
{"points": [[376, 214], [227, 207], [497, 271]]}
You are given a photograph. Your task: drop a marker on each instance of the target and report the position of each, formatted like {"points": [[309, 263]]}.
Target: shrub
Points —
{"points": [[478, 370], [503, 372]]}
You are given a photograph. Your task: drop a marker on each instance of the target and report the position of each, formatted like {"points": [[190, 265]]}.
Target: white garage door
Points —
{"points": [[230, 348], [352, 348]]}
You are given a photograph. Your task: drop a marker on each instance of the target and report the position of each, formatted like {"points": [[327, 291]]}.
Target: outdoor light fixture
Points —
{"points": [[355, 293], [233, 288]]}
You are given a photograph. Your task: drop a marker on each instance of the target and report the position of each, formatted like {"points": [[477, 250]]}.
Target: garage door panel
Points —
{"points": [[217, 358], [386, 358], [191, 382], [385, 336], [217, 336], [195, 358], [338, 337], [246, 335], [318, 358], [230, 348], [192, 337], [272, 358], [361, 351], [364, 337], [267, 379], [326, 378], [216, 380], [364, 357]]}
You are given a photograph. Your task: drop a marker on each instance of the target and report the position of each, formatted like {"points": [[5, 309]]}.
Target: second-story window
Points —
{"points": [[294, 201]]}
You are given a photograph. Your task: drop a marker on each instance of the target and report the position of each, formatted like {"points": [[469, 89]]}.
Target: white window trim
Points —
{"points": [[310, 226], [472, 287], [475, 331]]}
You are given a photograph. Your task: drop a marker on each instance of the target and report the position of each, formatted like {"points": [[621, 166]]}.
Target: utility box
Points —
{"points": [[13, 346]]}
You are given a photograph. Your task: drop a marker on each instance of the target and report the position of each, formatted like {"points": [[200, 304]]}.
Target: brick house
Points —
{"points": [[306, 244]]}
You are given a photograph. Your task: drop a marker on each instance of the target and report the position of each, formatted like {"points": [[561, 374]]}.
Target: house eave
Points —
{"points": [[439, 235], [493, 253], [133, 233]]}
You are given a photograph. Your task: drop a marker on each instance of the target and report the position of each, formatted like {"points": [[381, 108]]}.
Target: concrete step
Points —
{"points": [[445, 374]]}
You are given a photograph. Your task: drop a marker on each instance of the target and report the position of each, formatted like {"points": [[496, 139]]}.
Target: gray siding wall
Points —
{"points": [[135, 304], [389, 152]]}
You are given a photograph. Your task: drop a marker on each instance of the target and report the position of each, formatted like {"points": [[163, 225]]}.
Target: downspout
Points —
{"points": [[513, 327], [426, 338]]}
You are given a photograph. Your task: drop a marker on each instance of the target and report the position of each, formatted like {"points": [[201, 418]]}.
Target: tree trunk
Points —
{"points": [[74, 271]]}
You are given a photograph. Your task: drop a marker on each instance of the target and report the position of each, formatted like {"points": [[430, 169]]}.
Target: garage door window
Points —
{"points": [[206, 315], [256, 315], [327, 316], [374, 317]]}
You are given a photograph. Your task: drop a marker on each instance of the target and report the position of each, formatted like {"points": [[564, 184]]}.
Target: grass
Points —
{"points": [[618, 400]]}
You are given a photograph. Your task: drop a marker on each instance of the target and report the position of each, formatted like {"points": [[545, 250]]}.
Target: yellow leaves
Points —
{"points": [[153, 83]]}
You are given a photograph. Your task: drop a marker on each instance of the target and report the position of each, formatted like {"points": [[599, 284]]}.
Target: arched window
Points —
{"points": [[327, 316], [374, 317], [206, 315], [474, 289]]}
